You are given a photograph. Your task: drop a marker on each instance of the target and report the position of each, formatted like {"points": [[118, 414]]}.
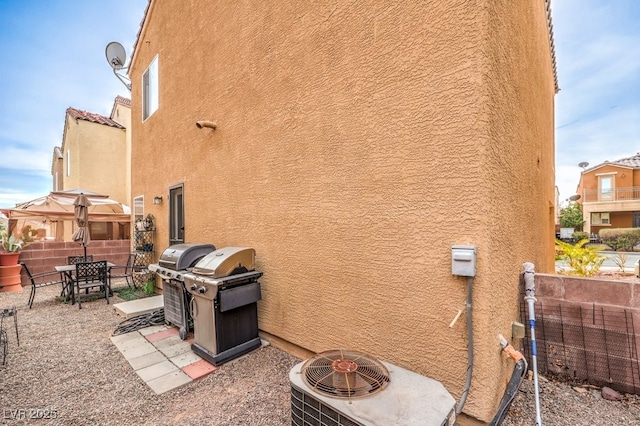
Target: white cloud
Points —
{"points": [[598, 107]]}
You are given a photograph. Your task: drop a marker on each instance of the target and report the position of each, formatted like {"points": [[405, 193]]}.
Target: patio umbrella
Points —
{"points": [[81, 217]]}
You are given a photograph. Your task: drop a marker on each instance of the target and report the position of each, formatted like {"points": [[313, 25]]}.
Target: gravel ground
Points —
{"points": [[67, 371]]}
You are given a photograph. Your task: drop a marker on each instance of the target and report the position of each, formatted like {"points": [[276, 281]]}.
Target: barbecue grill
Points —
{"points": [[224, 291], [174, 262]]}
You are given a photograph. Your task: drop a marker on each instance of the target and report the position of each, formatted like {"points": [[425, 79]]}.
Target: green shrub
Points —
{"points": [[580, 235], [620, 238], [149, 287], [571, 216], [584, 261]]}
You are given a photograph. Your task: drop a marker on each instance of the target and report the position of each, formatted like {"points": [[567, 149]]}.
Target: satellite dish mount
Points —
{"points": [[117, 57], [583, 165]]}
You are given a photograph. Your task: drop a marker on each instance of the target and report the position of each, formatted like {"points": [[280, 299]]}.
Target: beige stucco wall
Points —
{"points": [[122, 115], [98, 161], [356, 144]]}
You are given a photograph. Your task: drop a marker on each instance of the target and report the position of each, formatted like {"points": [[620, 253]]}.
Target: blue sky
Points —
{"points": [[598, 106], [54, 58]]}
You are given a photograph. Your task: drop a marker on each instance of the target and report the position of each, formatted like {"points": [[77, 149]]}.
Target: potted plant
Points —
{"points": [[9, 268]]}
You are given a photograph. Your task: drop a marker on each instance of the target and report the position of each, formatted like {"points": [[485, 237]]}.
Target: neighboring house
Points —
{"points": [[96, 155], [610, 194], [356, 143]]}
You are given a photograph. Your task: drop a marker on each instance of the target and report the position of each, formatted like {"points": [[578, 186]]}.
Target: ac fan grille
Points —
{"points": [[306, 411], [345, 374]]}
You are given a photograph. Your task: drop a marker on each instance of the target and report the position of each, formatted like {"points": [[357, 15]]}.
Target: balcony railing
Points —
{"points": [[628, 193]]}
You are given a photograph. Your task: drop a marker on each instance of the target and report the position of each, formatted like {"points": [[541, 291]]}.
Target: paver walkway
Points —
{"points": [[161, 358]]}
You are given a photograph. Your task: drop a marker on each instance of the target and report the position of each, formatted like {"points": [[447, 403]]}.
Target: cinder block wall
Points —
{"points": [[569, 290], [43, 256], [592, 305]]}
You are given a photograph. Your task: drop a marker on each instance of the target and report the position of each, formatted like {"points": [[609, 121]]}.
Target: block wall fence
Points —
{"points": [[43, 256]]}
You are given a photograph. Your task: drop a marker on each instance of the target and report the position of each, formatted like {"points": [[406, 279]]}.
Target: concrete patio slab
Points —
{"points": [[168, 382], [165, 364], [153, 329], [137, 307], [199, 369], [140, 349], [174, 348], [157, 370], [184, 359], [146, 360]]}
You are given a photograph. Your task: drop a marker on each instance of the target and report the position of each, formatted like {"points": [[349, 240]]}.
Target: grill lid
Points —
{"points": [[182, 256], [226, 261]]}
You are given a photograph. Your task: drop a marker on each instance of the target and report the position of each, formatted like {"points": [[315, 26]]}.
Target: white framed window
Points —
{"points": [[600, 219], [138, 208], [150, 89], [605, 188], [68, 163]]}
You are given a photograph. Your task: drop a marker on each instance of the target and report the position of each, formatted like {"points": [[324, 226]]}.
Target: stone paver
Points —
{"points": [[168, 382], [159, 356]]}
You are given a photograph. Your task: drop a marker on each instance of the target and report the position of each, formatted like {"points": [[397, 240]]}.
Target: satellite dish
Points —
{"points": [[583, 164], [116, 56], [574, 197]]}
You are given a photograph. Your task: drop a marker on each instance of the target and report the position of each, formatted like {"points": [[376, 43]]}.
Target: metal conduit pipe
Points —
{"points": [[467, 385]]}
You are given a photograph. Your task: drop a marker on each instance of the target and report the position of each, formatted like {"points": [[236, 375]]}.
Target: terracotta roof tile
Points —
{"points": [[122, 100], [92, 117], [633, 161], [554, 65]]}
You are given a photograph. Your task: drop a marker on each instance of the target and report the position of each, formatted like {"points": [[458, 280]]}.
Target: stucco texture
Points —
{"points": [[97, 159], [356, 143]]}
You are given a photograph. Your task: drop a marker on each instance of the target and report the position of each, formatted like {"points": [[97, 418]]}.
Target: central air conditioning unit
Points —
{"points": [[347, 388]]}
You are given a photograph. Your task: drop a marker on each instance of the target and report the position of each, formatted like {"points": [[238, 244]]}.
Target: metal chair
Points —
{"points": [[72, 260], [90, 275], [127, 272], [4, 341], [43, 280]]}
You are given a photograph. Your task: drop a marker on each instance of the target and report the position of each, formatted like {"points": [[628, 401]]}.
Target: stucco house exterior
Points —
{"points": [[354, 145], [610, 194], [96, 155]]}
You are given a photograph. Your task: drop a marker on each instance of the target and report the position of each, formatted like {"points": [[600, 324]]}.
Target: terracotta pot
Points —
{"points": [[9, 258], [10, 279]]}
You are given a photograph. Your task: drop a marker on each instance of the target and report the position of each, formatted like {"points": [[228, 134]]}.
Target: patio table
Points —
{"points": [[68, 271]]}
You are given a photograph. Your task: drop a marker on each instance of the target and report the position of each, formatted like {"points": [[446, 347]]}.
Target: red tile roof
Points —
{"points": [[92, 117], [122, 100]]}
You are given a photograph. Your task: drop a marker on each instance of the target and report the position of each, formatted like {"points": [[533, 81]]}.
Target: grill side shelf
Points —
{"points": [[242, 295]]}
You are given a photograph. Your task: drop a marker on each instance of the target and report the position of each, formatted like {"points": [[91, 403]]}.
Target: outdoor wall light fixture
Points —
{"points": [[209, 124], [157, 199]]}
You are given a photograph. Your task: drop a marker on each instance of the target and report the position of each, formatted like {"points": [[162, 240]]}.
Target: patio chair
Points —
{"points": [[72, 260], [44, 279], [4, 341], [90, 275], [127, 270]]}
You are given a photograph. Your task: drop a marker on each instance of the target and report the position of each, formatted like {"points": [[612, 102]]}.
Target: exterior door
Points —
{"points": [[176, 214], [636, 219]]}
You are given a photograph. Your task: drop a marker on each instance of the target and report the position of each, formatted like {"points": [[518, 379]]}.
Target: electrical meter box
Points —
{"points": [[463, 261]]}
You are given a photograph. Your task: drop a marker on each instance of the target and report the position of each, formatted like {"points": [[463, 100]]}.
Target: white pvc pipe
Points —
{"points": [[530, 298]]}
